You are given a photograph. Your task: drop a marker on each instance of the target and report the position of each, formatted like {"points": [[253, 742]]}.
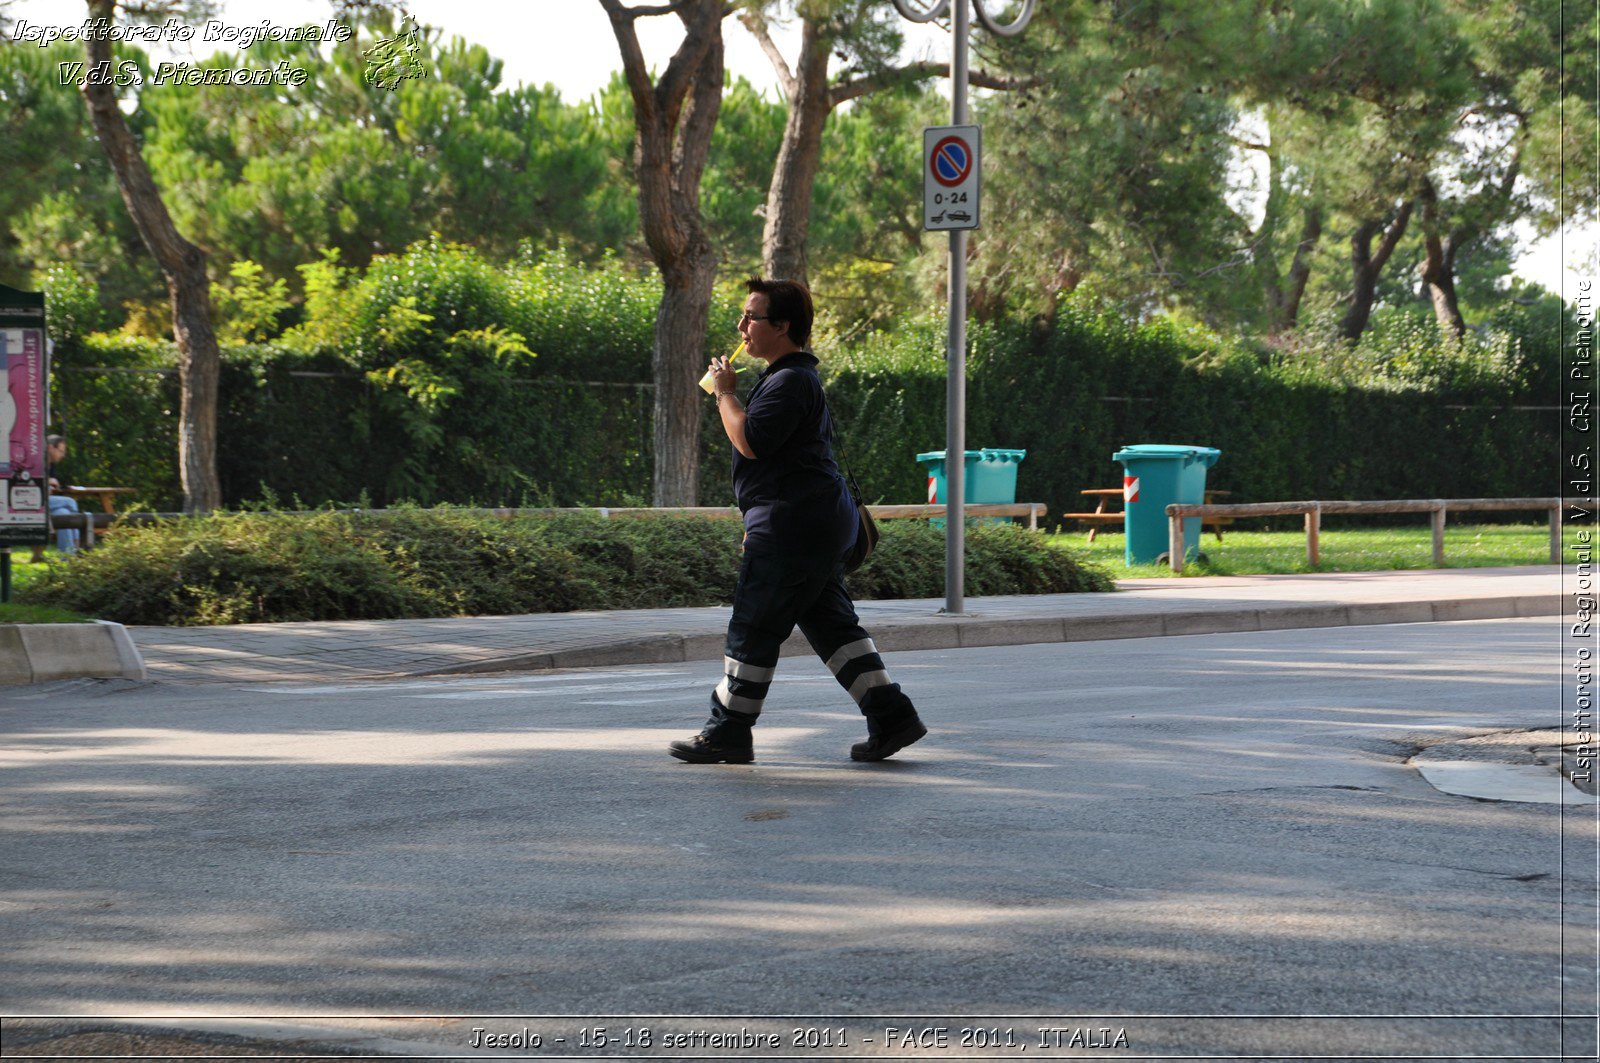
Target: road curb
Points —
{"points": [[44, 653], [945, 632]]}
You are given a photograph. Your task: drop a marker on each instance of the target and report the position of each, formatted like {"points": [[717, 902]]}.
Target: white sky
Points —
{"points": [[569, 44]]}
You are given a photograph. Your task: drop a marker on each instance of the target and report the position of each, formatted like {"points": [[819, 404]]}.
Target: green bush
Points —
{"points": [[229, 570], [1001, 559], [260, 567], [72, 301], [594, 323]]}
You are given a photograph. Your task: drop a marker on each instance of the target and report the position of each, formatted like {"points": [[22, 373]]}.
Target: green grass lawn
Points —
{"points": [[12, 613], [1249, 553], [22, 572]]}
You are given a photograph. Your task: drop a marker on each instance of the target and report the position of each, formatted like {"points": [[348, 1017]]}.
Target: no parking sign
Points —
{"points": [[950, 176]]}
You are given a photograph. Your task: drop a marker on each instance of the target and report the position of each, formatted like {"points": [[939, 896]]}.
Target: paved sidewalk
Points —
{"points": [[1140, 609]]}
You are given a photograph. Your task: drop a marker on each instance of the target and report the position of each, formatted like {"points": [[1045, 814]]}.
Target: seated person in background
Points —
{"points": [[55, 451]]}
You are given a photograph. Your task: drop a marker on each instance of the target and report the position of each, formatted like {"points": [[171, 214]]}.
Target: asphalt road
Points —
{"points": [[1095, 833]]}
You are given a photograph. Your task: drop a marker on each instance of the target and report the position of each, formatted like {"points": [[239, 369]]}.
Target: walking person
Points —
{"points": [[799, 522]]}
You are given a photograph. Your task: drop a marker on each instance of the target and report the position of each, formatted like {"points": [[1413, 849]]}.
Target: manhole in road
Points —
{"points": [[1556, 775]]}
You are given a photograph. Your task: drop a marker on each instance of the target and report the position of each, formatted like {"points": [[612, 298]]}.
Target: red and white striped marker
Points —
{"points": [[1130, 489], [933, 491]]}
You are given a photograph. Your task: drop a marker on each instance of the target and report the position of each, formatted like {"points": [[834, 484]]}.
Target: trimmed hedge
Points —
{"points": [[1289, 426], [258, 567]]}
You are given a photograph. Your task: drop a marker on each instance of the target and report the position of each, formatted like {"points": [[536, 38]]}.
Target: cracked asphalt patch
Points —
{"points": [[1539, 766]]}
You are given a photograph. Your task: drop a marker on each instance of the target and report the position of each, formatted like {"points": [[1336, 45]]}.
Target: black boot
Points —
{"points": [[725, 739], [889, 732]]}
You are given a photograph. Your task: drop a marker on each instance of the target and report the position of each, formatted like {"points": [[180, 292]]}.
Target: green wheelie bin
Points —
{"points": [[1155, 476], [989, 476]]}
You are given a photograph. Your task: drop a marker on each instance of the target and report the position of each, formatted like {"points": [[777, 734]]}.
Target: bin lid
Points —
{"points": [[986, 454], [1168, 452]]}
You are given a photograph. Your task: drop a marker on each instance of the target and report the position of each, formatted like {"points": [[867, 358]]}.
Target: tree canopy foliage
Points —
{"points": [[1265, 168]]}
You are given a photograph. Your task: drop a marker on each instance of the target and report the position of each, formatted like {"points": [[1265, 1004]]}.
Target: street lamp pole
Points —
{"points": [[955, 441]]}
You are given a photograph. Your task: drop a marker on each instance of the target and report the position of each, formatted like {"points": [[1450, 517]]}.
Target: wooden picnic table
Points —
{"points": [[106, 495], [1102, 515]]}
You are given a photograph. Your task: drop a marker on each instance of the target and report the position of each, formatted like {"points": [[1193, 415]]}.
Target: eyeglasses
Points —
{"points": [[748, 316]]}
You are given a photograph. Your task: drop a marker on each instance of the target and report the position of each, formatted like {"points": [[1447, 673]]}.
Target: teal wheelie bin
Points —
{"points": [[1155, 476], [989, 477]]}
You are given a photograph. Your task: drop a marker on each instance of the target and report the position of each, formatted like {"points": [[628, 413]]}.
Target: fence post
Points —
{"points": [[1436, 518], [1555, 535], [1314, 535], [1175, 544], [88, 531]]}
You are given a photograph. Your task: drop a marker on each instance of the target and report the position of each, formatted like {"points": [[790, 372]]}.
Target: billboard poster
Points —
{"points": [[24, 412]]}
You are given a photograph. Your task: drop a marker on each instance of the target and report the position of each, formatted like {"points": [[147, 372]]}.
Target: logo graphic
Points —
{"points": [[951, 161], [392, 60]]}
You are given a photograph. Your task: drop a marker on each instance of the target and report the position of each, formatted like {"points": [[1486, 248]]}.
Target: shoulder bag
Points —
{"points": [[866, 527]]}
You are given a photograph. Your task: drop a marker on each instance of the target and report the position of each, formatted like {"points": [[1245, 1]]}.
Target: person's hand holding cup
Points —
{"points": [[720, 376], [723, 379]]}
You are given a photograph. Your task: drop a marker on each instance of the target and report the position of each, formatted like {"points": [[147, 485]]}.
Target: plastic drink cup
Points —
{"points": [[708, 383]]}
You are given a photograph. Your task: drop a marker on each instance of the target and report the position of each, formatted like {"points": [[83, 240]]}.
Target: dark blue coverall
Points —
{"points": [[799, 521]]}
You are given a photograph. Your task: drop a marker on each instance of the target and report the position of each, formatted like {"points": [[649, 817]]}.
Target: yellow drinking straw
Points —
{"points": [[708, 384]]}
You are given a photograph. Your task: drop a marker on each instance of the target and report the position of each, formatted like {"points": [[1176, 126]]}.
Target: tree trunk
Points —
{"points": [[1440, 248], [1064, 280], [1264, 242], [183, 266], [1439, 265], [1299, 272], [1283, 294], [678, 362], [673, 120], [1367, 265], [1364, 282], [199, 368], [794, 175], [1439, 274]]}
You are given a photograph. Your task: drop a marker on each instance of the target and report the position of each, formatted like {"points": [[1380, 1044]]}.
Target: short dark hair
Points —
{"points": [[787, 301]]}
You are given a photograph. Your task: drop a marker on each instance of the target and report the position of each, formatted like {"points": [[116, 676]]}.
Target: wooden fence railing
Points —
{"points": [[1436, 508]]}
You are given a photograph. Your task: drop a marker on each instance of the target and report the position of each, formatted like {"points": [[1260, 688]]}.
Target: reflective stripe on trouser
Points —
{"points": [[836, 635], [858, 668], [744, 686], [777, 592]]}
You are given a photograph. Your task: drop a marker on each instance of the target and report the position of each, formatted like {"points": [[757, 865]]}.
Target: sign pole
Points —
{"points": [[951, 200], [955, 432]]}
